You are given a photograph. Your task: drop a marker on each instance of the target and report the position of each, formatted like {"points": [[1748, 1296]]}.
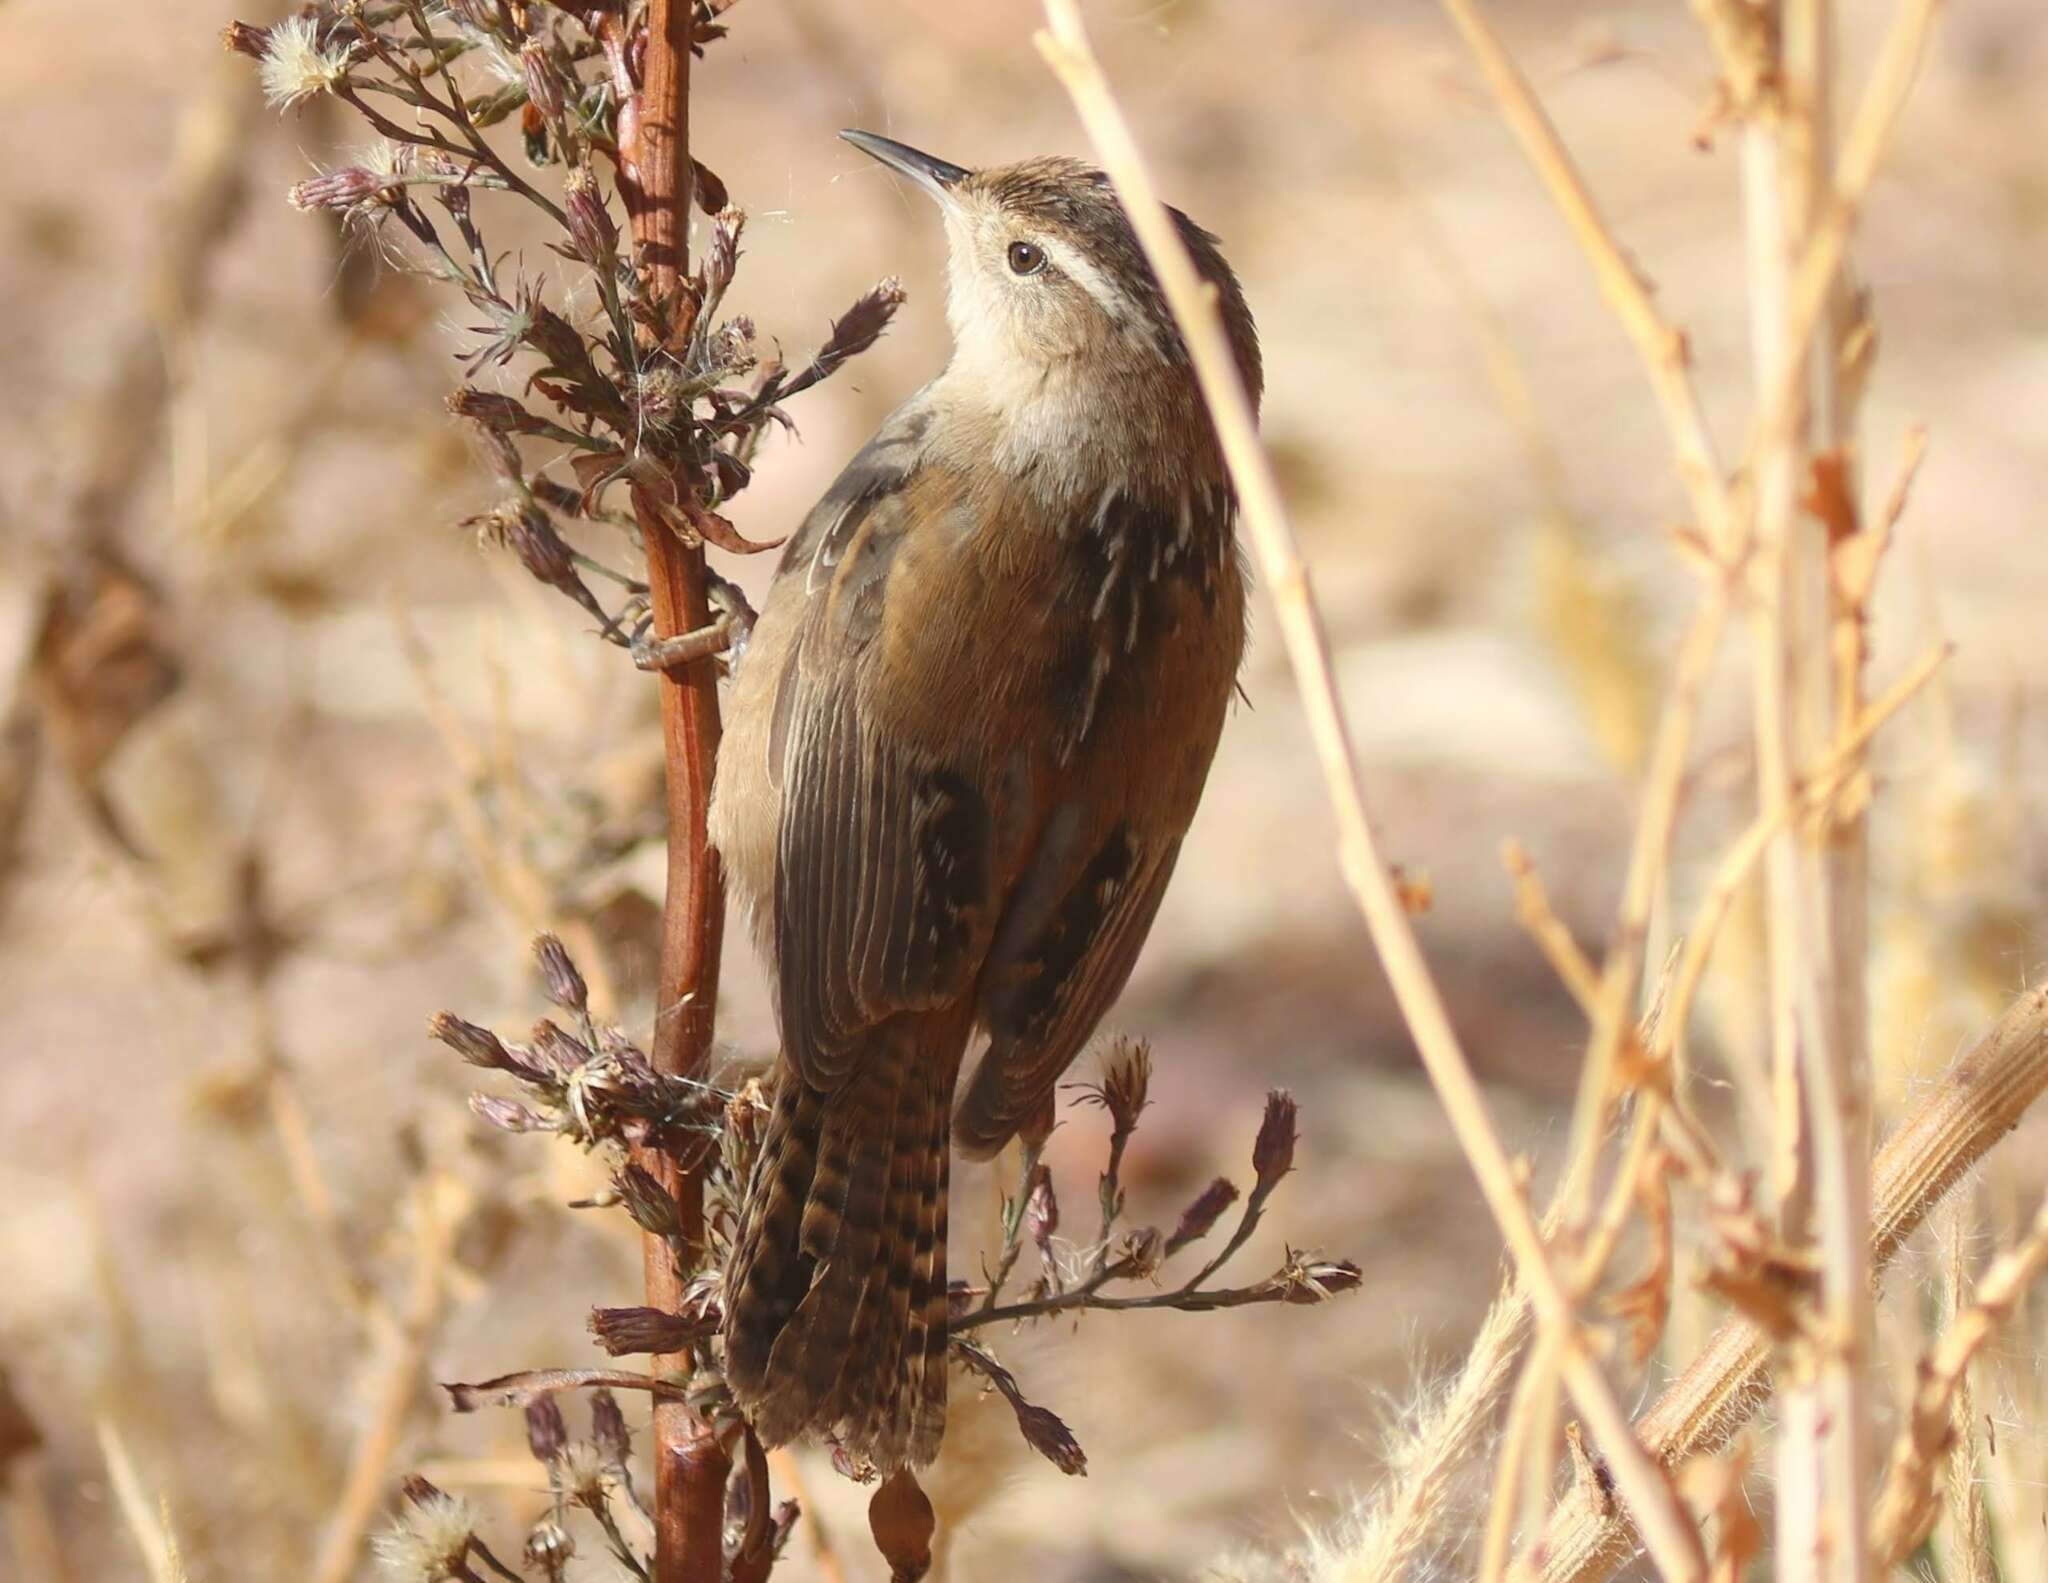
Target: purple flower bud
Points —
{"points": [[506, 1114], [560, 1052], [1200, 1217], [477, 1046], [546, 1430], [1273, 1152], [559, 976], [608, 1428]]}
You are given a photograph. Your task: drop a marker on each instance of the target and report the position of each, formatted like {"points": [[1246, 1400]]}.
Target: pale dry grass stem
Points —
{"points": [[148, 1523], [1671, 1534], [1906, 1507], [1966, 1520]]}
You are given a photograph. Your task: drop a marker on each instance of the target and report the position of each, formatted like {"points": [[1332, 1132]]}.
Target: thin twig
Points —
{"points": [[1665, 355]]}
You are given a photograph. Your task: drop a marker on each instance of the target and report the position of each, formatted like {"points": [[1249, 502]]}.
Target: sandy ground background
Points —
{"points": [[344, 687]]}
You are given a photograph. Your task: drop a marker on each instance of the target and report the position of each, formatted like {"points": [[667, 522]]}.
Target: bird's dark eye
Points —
{"points": [[1026, 258]]}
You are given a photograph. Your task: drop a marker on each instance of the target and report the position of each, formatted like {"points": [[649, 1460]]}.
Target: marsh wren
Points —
{"points": [[959, 758]]}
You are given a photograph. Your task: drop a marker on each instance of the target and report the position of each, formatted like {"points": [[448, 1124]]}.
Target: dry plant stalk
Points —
{"points": [[1588, 1536], [657, 178]]}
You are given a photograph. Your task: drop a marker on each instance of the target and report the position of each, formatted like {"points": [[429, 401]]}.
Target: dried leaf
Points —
{"points": [[1829, 498]]}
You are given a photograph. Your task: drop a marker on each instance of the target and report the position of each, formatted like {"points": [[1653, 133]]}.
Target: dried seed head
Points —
{"points": [[624, 1331], [1042, 1212], [246, 38], [732, 350], [543, 82], [853, 332], [351, 187], [547, 1432], [1313, 1280], [1048, 1435], [660, 396], [748, 1110], [1273, 1151], [1200, 1217], [563, 983], [652, 1206], [1142, 1252], [531, 534], [550, 1547], [492, 409], [419, 1489], [593, 235], [297, 67], [430, 1540], [1126, 1077], [585, 1474]]}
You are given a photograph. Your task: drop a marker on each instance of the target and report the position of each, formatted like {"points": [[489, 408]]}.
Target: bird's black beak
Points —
{"points": [[934, 175]]}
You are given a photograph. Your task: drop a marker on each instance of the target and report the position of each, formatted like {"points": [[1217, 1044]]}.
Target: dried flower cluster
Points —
{"points": [[634, 394], [595, 1089]]}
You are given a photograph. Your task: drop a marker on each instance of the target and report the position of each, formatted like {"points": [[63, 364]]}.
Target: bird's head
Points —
{"points": [[1047, 275]]}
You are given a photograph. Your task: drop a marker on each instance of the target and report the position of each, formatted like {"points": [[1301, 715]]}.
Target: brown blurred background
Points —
{"points": [[291, 764]]}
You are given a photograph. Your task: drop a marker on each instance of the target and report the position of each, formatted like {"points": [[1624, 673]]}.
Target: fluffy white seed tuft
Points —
{"points": [[296, 68]]}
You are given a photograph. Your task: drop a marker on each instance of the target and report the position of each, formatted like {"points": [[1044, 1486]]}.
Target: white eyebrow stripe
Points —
{"points": [[1077, 266]]}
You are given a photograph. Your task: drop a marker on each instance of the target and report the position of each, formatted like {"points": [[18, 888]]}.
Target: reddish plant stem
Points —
{"points": [[690, 1467]]}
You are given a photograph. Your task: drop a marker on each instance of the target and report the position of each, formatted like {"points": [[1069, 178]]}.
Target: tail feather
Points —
{"points": [[841, 1236], [769, 1273], [866, 1403], [930, 1297], [829, 1324]]}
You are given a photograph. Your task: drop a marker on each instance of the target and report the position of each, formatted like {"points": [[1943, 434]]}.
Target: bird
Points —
{"points": [[968, 735]]}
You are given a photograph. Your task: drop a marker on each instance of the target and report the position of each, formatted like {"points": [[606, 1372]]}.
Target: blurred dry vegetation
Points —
{"points": [[288, 763]]}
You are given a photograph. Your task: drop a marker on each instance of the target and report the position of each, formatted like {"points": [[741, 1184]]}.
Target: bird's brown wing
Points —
{"points": [[883, 883], [1052, 973]]}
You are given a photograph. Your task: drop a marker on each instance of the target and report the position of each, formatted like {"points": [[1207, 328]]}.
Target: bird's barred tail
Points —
{"points": [[836, 1297]]}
